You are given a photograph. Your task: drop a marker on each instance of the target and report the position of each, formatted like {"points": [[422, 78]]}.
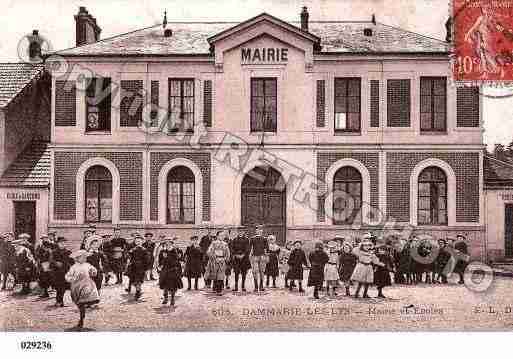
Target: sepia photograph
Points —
{"points": [[255, 166]]}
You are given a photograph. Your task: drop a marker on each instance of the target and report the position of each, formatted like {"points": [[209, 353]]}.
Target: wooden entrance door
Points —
{"points": [[25, 218], [263, 201], [508, 230]]}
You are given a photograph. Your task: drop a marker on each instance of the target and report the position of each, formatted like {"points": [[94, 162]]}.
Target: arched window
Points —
{"points": [[349, 180], [180, 195], [98, 190], [432, 202]]}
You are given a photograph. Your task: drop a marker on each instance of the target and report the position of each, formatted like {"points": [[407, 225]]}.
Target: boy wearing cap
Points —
{"points": [[259, 248], [149, 245], [61, 262], [98, 260], [297, 260], [193, 263], [239, 250]]}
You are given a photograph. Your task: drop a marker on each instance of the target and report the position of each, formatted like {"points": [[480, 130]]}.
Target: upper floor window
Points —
{"points": [[398, 103], [181, 105], [433, 103], [98, 188], [180, 195], [98, 104], [432, 201], [348, 180], [263, 104], [347, 104]]}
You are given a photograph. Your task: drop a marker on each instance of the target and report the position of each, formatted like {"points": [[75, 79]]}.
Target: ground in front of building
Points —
{"points": [[422, 307]]}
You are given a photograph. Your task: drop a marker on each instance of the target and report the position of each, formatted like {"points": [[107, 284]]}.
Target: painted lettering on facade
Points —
{"points": [[23, 196], [264, 55]]}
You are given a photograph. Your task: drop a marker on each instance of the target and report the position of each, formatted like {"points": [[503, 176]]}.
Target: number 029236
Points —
{"points": [[35, 345]]}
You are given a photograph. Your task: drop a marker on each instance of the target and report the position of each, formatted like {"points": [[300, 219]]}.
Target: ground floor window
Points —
{"points": [[98, 188], [180, 195], [432, 201], [348, 180]]}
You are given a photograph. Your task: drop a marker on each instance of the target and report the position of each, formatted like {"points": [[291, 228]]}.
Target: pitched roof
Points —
{"points": [[191, 38], [14, 77], [497, 173], [30, 169]]}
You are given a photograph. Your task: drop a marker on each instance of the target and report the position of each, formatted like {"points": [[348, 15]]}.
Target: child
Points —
{"points": [[347, 262], [271, 268], [297, 260], [83, 288], [318, 259], [284, 266], [60, 265], [193, 262], [98, 260], [331, 275], [137, 264], [363, 272], [382, 273], [218, 254], [170, 279]]}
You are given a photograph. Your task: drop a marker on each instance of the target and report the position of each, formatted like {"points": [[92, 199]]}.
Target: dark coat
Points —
{"points": [[171, 270], [271, 268], [25, 266], [60, 266], [318, 260], [150, 248], [99, 261], [7, 257], [137, 264], [193, 262], [239, 249], [297, 260], [441, 260], [117, 259], [382, 274], [346, 266]]}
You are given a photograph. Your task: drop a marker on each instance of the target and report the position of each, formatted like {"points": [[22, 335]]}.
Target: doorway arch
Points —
{"points": [[263, 201]]}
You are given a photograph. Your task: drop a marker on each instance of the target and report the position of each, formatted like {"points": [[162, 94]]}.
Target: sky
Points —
{"points": [[54, 20]]}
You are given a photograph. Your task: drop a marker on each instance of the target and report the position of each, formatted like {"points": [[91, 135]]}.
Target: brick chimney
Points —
{"points": [[304, 19], [87, 30], [35, 47]]}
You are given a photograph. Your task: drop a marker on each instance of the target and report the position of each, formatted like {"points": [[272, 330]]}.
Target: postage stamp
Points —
{"points": [[483, 40]]}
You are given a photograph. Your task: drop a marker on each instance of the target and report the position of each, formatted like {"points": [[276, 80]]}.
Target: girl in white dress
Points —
{"points": [[83, 288], [363, 271], [331, 275]]}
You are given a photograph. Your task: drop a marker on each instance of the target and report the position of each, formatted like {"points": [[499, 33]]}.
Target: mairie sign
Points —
{"points": [[264, 55]]}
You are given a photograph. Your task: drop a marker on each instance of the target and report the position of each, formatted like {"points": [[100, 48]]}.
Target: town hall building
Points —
{"points": [[314, 128]]}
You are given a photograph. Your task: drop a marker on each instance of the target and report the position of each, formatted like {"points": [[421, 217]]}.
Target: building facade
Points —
{"points": [[313, 128]]}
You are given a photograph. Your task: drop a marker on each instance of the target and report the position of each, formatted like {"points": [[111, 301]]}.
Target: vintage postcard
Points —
{"points": [[201, 166]]}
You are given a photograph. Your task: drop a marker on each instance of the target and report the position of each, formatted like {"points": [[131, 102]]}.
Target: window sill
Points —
{"points": [[260, 133], [433, 133], [347, 133], [103, 133]]}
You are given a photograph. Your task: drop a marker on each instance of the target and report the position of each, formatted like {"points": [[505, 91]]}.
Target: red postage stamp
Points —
{"points": [[483, 40]]}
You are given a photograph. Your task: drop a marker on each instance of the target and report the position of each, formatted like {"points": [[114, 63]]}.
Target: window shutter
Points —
{"points": [[131, 103], [154, 98], [65, 103], [398, 103], [207, 103], [374, 103], [467, 106], [321, 103]]}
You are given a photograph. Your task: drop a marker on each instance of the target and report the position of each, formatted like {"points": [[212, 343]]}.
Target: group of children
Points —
{"points": [[333, 264]]}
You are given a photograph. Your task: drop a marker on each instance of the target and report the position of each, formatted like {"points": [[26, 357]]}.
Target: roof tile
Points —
{"points": [[13, 79], [30, 169]]}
